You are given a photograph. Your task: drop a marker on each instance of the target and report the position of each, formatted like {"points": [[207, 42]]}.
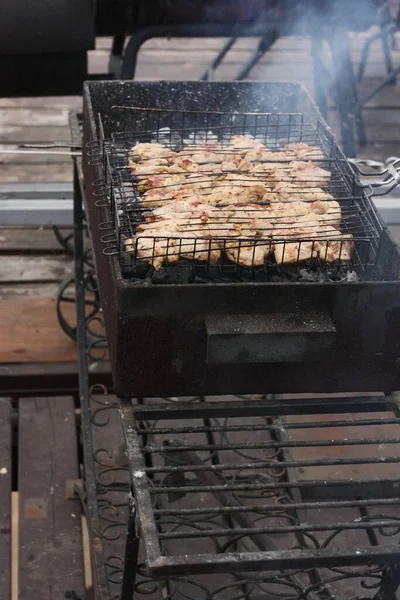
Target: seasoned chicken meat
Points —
{"points": [[242, 200], [153, 150]]}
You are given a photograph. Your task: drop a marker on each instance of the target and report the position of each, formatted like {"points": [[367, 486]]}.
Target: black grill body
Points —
{"points": [[248, 337]]}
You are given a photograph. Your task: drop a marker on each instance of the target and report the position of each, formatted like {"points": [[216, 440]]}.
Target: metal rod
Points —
{"points": [[131, 555], [273, 463], [276, 444], [278, 508], [305, 425], [45, 152], [208, 74], [249, 408], [101, 578], [192, 489], [264, 531]]}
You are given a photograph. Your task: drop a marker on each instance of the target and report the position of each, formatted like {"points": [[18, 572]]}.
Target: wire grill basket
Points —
{"points": [[294, 243]]}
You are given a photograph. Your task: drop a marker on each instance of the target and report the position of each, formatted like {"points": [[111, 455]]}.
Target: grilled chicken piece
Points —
{"points": [[178, 207], [249, 216], [155, 245], [271, 197], [242, 144], [159, 196], [301, 151], [226, 194], [294, 252], [265, 157], [285, 193], [198, 248], [201, 157], [183, 164], [152, 150], [135, 166], [169, 240], [315, 241], [302, 213], [143, 170], [248, 253], [307, 171], [161, 182], [301, 249], [333, 245], [327, 212], [288, 212]]}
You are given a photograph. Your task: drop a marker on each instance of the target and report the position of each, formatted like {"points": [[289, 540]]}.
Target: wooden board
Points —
{"points": [[5, 499], [326, 434], [23, 135], [35, 173], [15, 269], [50, 540], [21, 240], [30, 332], [31, 290], [26, 379]]}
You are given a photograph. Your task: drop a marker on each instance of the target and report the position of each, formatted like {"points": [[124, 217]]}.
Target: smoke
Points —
{"points": [[296, 16]]}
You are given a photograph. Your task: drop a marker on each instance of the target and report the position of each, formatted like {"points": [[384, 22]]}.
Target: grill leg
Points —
{"points": [[131, 555]]}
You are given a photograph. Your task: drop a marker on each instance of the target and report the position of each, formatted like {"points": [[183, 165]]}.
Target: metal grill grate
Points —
{"points": [[216, 255], [256, 491]]}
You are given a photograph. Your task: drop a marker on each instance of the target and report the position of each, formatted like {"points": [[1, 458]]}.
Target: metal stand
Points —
{"points": [[143, 34], [237, 498]]}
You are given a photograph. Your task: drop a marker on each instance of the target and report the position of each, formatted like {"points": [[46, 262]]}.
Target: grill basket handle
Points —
{"points": [[269, 338], [388, 172]]}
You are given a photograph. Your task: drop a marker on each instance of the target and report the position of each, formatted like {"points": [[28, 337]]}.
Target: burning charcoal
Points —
{"points": [[305, 275], [173, 274], [351, 277]]}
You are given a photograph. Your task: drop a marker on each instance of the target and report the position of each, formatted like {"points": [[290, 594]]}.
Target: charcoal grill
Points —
{"points": [[248, 331], [237, 497]]}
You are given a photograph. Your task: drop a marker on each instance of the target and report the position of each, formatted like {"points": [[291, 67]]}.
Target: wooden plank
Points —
{"points": [[57, 173], [49, 378], [53, 102], [7, 157], [5, 498], [30, 332], [34, 268], [28, 290], [23, 239], [351, 431], [25, 135], [34, 117], [50, 540]]}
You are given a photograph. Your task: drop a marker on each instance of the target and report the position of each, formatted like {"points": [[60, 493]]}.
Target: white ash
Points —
{"points": [[174, 140]]}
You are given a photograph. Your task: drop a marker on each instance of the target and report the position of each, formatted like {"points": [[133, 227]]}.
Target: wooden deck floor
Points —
{"points": [[46, 119]]}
